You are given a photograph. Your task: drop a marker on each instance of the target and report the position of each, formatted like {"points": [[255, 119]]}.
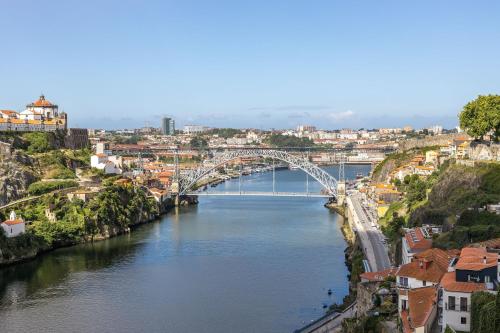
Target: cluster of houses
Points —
{"points": [[104, 160], [433, 286], [463, 149]]}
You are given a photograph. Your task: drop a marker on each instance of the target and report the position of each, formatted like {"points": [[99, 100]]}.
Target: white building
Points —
{"points": [[306, 128], [475, 270], [109, 164], [193, 129], [43, 107], [415, 240], [436, 129], [426, 269], [30, 115], [14, 226]]}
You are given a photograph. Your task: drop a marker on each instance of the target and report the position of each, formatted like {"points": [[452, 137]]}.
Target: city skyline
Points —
{"points": [[257, 65]]}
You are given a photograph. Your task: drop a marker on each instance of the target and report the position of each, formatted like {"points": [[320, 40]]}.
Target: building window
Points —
{"points": [[463, 304], [451, 302], [463, 320], [403, 281], [424, 283]]}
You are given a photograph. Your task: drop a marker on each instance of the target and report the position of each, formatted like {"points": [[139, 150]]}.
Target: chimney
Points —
{"points": [[484, 260], [421, 263]]}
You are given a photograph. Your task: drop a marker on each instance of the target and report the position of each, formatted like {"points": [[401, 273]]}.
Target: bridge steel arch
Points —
{"points": [[189, 179]]}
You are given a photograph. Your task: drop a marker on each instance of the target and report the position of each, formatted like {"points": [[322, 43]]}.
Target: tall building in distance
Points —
{"points": [[167, 126]]}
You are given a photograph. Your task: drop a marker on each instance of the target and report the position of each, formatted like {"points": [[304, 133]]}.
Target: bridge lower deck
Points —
{"points": [[261, 194]]}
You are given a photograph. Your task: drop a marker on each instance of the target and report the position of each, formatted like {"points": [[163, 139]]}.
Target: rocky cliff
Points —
{"points": [[17, 172]]}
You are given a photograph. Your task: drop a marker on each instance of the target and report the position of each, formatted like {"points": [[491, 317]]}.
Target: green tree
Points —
{"points": [[478, 303], [487, 324], [39, 142], [497, 311], [278, 140], [481, 115]]}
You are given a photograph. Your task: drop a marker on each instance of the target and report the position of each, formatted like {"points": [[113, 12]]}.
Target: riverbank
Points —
{"points": [[354, 256], [116, 211]]}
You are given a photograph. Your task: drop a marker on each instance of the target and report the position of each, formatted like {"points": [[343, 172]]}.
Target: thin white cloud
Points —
{"points": [[336, 116]]}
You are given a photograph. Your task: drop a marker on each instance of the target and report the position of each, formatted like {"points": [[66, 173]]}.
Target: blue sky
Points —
{"points": [[263, 64]]}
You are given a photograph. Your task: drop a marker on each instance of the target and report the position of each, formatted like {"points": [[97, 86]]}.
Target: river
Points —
{"points": [[229, 264]]}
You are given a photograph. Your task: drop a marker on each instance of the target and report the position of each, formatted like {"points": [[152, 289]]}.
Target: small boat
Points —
{"points": [[359, 176]]}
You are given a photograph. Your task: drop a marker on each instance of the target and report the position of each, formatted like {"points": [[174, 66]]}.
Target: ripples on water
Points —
{"points": [[231, 264]]}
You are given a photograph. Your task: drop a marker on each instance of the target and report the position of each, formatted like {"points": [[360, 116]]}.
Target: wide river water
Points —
{"points": [[229, 264]]}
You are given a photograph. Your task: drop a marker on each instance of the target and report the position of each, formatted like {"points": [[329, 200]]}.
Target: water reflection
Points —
{"points": [[24, 280]]}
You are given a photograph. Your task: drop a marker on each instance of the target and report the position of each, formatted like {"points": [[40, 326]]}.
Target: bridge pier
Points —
{"points": [[341, 192]]}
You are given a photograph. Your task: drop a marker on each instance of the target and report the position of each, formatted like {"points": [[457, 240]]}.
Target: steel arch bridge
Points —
{"points": [[189, 179]]}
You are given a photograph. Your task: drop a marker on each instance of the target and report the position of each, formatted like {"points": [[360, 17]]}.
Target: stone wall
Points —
{"points": [[435, 140], [364, 298], [484, 151]]}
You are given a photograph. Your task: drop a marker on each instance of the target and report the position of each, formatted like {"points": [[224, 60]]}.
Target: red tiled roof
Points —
{"points": [[406, 322], [476, 259], [379, 276], [449, 283], [420, 243], [41, 102], [13, 222], [421, 302], [429, 265], [8, 112]]}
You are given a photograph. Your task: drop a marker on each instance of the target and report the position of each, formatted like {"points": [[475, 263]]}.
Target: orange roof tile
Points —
{"points": [[476, 259], [421, 302], [41, 102], [406, 322], [379, 276], [429, 265], [450, 283], [416, 240], [8, 112], [13, 222]]}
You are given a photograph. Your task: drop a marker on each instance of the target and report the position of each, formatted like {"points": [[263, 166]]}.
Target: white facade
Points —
{"points": [[190, 129], [457, 317], [109, 164], [406, 254], [30, 115]]}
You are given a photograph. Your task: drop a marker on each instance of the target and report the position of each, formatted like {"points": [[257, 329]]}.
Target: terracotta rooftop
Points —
{"points": [[476, 259], [13, 222], [449, 283], [429, 265], [440, 257], [8, 112], [416, 240], [420, 303], [379, 276], [41, 102]]}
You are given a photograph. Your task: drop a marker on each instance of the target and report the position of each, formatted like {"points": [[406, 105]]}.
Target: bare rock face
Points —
{"points": [[16, 174]]}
